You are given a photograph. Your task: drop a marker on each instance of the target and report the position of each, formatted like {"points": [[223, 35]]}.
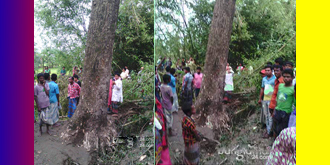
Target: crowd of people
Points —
{"points": [[180, 65], [277, 98], [47, 95], [166, 96], [278, 103]]}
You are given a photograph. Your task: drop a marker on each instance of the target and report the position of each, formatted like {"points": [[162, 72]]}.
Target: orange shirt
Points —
{"points": [[272, 104]]}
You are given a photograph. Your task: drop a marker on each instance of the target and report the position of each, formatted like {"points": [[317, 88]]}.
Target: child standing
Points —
{"points": [[190, 135], [285, 100], [167, 102]]}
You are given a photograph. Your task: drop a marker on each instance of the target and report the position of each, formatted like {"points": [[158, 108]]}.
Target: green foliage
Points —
{"points": [[62, 82], [260, 28], [65, 24], [134, 35], [132, 89], [262, 31]]}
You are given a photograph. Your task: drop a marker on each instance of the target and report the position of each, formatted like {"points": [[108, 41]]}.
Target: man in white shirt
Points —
{"points": [[123, 74]]}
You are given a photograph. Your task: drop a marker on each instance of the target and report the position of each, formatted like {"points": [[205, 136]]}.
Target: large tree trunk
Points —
{"points": [[209, 101], [90, 125]]}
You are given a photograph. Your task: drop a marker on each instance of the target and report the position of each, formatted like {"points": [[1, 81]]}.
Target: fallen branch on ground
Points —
{"points": [[131, 122]]}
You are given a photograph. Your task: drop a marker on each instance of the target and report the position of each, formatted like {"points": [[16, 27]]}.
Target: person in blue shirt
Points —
{"points": [[266, 91], [54, 97], [173, 86]]}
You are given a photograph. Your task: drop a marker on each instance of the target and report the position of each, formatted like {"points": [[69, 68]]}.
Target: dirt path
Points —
{"points": [[244, 146], [176, 143], [49, 150]]}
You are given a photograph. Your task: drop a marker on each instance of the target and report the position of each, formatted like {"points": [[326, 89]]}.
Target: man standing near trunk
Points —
{"points": [[76, 80], [198, 77], [73, 93]]}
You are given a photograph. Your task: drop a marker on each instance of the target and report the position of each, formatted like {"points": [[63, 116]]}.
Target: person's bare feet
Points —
{"points": [[49, 132], [56, 125], [266, 136]]}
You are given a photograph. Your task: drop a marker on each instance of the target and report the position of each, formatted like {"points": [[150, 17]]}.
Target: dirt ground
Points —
{"points": [[244, 146], [52, 150], [49, 150]]}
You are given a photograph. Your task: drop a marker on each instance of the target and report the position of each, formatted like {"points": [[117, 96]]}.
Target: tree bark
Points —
{"points": [[209, 101], [90, 125]]}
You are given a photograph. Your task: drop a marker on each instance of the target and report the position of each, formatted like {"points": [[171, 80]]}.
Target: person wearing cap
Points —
{"points": [[262, 72]]}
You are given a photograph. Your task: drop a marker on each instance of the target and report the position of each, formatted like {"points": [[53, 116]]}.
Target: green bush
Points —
{"points": [[132, 88], [62, 82]]}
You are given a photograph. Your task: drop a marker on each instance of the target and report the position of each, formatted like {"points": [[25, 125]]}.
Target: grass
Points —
{"points": [[54, 70]]}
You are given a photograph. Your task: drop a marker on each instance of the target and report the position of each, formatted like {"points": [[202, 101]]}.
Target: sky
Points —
{"points": [[169, 27], [37, 33]]}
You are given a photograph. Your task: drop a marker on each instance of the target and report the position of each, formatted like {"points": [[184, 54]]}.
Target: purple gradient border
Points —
{"points": [[17, 48]]}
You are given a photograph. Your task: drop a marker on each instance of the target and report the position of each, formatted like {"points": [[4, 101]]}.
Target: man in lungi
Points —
{"points": [[54, 98], [41, 96]]}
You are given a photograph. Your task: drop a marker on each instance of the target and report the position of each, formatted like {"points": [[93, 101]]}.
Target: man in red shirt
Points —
{"points": [[279, 79], [73, 94]]}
